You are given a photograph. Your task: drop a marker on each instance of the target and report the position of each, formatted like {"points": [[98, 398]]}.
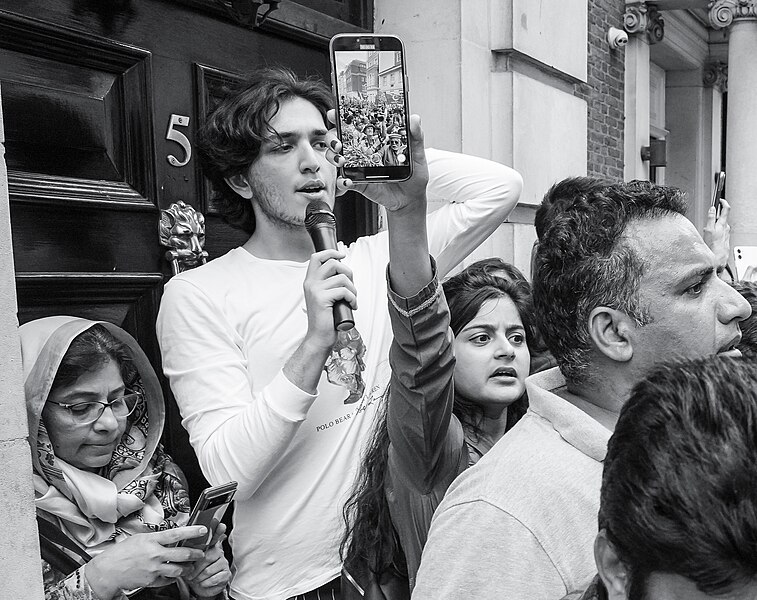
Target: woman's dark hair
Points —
{"points": [[370, 538], [90, 350], [230, 139], [494, 266]]}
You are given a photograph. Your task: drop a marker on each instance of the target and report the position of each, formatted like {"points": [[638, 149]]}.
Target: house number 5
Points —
{"points": [[177, 136]]}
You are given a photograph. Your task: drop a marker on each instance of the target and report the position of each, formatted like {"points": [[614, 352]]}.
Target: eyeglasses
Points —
{"points": [[84, 413]]}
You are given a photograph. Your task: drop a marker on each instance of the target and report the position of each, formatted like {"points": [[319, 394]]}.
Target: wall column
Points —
{"points": [[19, 558], [740, 17], [693, 116], [645, 26]]}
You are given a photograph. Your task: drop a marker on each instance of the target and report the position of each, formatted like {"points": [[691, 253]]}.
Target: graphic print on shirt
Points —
{"points": [[370, 399]]}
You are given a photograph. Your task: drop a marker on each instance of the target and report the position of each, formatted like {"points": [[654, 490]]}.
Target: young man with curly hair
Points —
{"points": [[245, 338]]}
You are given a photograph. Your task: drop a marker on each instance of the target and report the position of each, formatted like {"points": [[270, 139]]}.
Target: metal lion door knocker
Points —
{"points": [[182, 229]]}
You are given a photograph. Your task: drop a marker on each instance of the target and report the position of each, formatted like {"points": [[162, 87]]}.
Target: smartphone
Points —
{"points": [[369, 79], [208, 511], [745, 261], [717, 192]]}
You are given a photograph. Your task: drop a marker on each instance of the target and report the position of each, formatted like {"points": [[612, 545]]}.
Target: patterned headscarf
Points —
{"points": [[140, 490]]}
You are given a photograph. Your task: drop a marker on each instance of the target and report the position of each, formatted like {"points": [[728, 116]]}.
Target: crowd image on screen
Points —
{"points": [[374, 133], [372, 108]]}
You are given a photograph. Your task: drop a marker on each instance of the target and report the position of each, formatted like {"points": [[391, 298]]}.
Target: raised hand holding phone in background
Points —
{"points": [[717, 230], [717, 192]]}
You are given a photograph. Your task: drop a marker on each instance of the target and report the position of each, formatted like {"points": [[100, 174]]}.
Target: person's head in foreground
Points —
{"points": [[678, 512], [622, 280]]}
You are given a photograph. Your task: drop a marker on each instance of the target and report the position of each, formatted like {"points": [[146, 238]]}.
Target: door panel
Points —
{"points": [[126, 299], [76, 108], [76, 238]]}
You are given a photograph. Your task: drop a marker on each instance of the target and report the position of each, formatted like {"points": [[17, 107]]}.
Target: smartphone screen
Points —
{"points": [[209, 510], [370, 85]]}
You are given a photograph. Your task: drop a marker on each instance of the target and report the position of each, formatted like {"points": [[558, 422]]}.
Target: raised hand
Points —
{"points": [[717, 232], [393, 196], [143, 560]]}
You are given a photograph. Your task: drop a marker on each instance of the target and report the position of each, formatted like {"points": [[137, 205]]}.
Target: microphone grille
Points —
{"points": [[318, 213]]}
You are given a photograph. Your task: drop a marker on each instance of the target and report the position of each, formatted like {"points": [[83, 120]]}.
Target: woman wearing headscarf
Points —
{"points": [[111, 504]]}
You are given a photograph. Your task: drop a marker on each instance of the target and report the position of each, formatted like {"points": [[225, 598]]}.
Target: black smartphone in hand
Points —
{"points": [[717, 192], [208, 511], [370, 80]]}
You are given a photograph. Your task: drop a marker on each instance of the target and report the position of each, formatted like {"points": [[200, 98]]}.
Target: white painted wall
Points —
{"points": [[473, 100], [549, 134], [553, 32]]}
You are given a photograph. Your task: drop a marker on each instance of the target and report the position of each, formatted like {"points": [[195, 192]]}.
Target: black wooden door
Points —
{"points": [[89, 90]]}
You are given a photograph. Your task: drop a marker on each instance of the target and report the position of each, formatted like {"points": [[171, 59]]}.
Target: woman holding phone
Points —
{"points": [[111, 504]]}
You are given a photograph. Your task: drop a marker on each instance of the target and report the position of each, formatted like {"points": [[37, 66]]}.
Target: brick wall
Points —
{"points": [[604, 92]]}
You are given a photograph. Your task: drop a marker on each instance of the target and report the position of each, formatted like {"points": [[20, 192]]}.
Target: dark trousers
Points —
{"points": [[328, 591]]}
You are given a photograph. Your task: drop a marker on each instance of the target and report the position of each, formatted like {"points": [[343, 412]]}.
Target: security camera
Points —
{"points": [[616, 38]]}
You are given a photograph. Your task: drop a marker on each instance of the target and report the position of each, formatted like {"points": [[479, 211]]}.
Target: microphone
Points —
{"points": [[321, 225]]}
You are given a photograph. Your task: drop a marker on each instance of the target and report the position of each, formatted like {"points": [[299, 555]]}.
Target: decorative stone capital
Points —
{"points": [[644, 18], [724, 12], [715, 75]]}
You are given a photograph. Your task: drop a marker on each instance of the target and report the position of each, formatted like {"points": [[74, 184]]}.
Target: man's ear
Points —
{"points": [[612, 572], [610, 330], [240, 185]]}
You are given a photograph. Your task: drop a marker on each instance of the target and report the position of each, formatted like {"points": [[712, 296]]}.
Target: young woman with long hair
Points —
{"points": [[459, 362]]}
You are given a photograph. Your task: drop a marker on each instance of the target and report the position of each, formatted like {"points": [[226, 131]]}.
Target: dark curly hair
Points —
{"points": [[582, 260], [679, 485], [229, 141], [371, 539]]}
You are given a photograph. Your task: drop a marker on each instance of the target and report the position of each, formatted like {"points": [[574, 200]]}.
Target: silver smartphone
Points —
{"points": [[717, 192]]}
